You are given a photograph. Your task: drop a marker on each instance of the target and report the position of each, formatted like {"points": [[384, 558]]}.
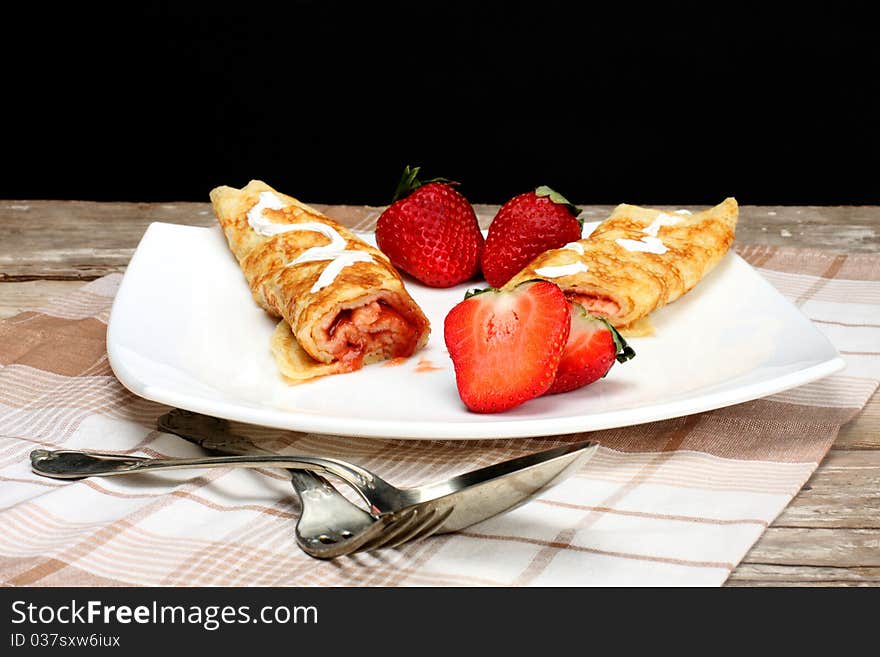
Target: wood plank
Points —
{"points": [[844, 492], [80, 240], [863, 431], [825, 547], [30, 295], [85, 240], [775, 575]]}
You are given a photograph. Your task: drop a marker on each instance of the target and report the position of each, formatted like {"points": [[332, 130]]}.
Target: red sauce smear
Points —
{"points": [[425, 365]]}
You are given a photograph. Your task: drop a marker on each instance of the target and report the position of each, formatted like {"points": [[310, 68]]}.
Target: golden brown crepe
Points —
{"points": [[625, 284], [341, 302]]}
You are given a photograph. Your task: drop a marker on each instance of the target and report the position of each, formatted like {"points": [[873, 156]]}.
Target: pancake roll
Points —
{"points": [[636, 261], [340, 302]]}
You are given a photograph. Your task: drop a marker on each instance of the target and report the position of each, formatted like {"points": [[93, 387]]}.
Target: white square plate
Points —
{"points": [[185, 331]]}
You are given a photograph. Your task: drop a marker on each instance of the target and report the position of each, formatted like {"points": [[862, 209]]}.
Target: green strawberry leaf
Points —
{"points": [[559, 199], [624, 351], [474, 292], [409, 182]]}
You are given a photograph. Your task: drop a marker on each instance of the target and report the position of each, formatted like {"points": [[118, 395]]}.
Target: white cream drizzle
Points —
{"points": [[577, 247], [651, 243], [661, 220], [561, 270], [257, 220], [335, 251], [683, 212], [336, 265], [645, 245], [317, 253]]}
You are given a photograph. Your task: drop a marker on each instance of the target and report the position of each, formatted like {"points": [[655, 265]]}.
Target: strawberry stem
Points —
{"points": [[559, 199], [409, 182], [624, 351], [474, 292]]}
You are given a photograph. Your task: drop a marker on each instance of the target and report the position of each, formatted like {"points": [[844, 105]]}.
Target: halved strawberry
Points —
{"points": [[593, 346], [506, 346]]}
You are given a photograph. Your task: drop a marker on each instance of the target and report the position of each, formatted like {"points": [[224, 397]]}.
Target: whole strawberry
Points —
{"points": [[430, 231], [526, 226]]}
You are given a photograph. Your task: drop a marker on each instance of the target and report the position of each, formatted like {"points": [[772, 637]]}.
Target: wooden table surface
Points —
{"points": [[828, 535]]}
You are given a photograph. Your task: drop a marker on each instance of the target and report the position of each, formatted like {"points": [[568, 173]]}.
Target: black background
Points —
{"points": [[670, 103]]}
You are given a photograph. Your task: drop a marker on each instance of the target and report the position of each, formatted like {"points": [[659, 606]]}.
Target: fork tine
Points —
{"points": [[389, 530], [412, 529], [398, 526], [429, 528], [430, 523]]}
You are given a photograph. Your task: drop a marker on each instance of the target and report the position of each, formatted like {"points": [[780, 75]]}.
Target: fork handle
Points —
{"points": [[73, 464], [213, 434]]}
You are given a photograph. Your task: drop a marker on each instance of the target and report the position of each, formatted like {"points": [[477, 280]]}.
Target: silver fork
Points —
{"points": [[329, 525]]}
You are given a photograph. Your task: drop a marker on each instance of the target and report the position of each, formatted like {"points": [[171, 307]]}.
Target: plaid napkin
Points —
{"points": [[677, 502]]}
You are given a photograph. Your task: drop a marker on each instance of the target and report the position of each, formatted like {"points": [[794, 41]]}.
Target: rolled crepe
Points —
{"points": [[637, 260], [342, 304]]}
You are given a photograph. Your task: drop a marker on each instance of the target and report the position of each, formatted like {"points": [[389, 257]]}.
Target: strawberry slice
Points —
{"points": [[506, 346], [593, 346]]}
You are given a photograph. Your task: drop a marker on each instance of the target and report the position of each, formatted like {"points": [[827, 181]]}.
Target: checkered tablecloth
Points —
{"points": [[677, 502]]}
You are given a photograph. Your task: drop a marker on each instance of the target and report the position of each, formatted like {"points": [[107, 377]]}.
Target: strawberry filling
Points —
{"points": [[595, 304], [371, 332]]}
